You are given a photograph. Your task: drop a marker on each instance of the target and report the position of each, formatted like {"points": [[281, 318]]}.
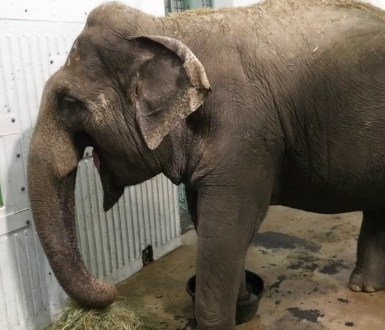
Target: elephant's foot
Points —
{"points": [[244, 294], [369, 273], [367, 282]]}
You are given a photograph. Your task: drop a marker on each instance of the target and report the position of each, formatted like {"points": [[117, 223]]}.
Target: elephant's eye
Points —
{"points": [[72, 112], [67, 103]]}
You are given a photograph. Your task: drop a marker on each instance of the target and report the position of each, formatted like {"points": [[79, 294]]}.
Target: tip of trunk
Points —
{"points": [[99, 295]]}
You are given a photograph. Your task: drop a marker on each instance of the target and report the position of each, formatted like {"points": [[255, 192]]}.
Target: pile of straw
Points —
{"points": [[118, 316]]}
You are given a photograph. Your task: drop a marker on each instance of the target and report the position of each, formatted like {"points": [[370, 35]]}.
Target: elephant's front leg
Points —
{"points": [[243, 293], [227, 218], [192, 204], [369, 273]]}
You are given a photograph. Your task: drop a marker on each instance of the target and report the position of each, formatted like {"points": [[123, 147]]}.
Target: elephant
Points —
{"points": [[280, 103]]}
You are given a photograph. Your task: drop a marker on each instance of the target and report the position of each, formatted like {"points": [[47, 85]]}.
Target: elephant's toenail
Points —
{"points": [[355, 287], [369, 289]]}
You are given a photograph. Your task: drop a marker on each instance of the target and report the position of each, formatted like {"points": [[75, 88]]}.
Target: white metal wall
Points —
{"points": [[35, 37]]}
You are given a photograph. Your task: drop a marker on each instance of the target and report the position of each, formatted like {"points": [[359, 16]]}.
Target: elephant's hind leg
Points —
{"points": [[369, 273]]}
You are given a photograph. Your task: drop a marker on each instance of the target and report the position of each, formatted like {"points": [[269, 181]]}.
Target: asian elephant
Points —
{"points": [[278, 103]]}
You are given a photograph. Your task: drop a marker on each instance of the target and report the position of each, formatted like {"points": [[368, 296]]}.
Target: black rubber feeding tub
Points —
{"points": [[246, 310]]}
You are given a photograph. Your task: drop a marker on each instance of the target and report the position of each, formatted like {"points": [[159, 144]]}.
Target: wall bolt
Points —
{"points": [[28, 222], [18, 155], [22, 188], [13, 120]]}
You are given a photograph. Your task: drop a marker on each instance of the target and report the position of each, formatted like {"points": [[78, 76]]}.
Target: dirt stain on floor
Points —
{"points": [[310, 315], [273, 240], [276, 285], [333, 267], [303, 265]]}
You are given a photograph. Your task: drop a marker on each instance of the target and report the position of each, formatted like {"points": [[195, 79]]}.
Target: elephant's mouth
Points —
{"points": [[96, 159], [112, 191]]}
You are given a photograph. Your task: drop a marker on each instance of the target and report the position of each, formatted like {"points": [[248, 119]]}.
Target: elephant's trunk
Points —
{"points": [[52, 168]]}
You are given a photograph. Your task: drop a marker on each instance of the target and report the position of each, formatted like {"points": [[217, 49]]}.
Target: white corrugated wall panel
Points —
{"points": [[111, 243]]}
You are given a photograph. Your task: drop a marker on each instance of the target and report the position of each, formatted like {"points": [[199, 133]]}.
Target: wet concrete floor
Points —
{"points": [[305, 260]]}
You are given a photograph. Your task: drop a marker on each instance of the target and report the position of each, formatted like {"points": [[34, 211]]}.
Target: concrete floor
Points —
{"points": [[305, 260]]}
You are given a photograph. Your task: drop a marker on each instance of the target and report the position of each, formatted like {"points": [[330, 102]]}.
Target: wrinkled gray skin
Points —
{"points": [[276, 104]]}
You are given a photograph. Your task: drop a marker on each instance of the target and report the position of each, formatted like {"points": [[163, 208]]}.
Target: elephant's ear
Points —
{"points": [[171, 85]]}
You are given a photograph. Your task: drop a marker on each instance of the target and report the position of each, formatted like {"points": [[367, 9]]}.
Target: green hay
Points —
{"points": [[118, 316]]}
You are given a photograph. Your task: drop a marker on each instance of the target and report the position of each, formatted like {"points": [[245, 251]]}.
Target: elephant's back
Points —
{"points": [[272, 32]]}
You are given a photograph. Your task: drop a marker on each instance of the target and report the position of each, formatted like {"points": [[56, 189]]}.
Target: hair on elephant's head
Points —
{"points": [[122, 95]]}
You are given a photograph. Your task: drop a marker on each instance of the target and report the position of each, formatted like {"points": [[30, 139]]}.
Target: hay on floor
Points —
{"points": [[118, 316]]}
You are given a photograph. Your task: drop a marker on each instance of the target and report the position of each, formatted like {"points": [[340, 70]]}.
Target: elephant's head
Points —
{"points": [[122, 95]]}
